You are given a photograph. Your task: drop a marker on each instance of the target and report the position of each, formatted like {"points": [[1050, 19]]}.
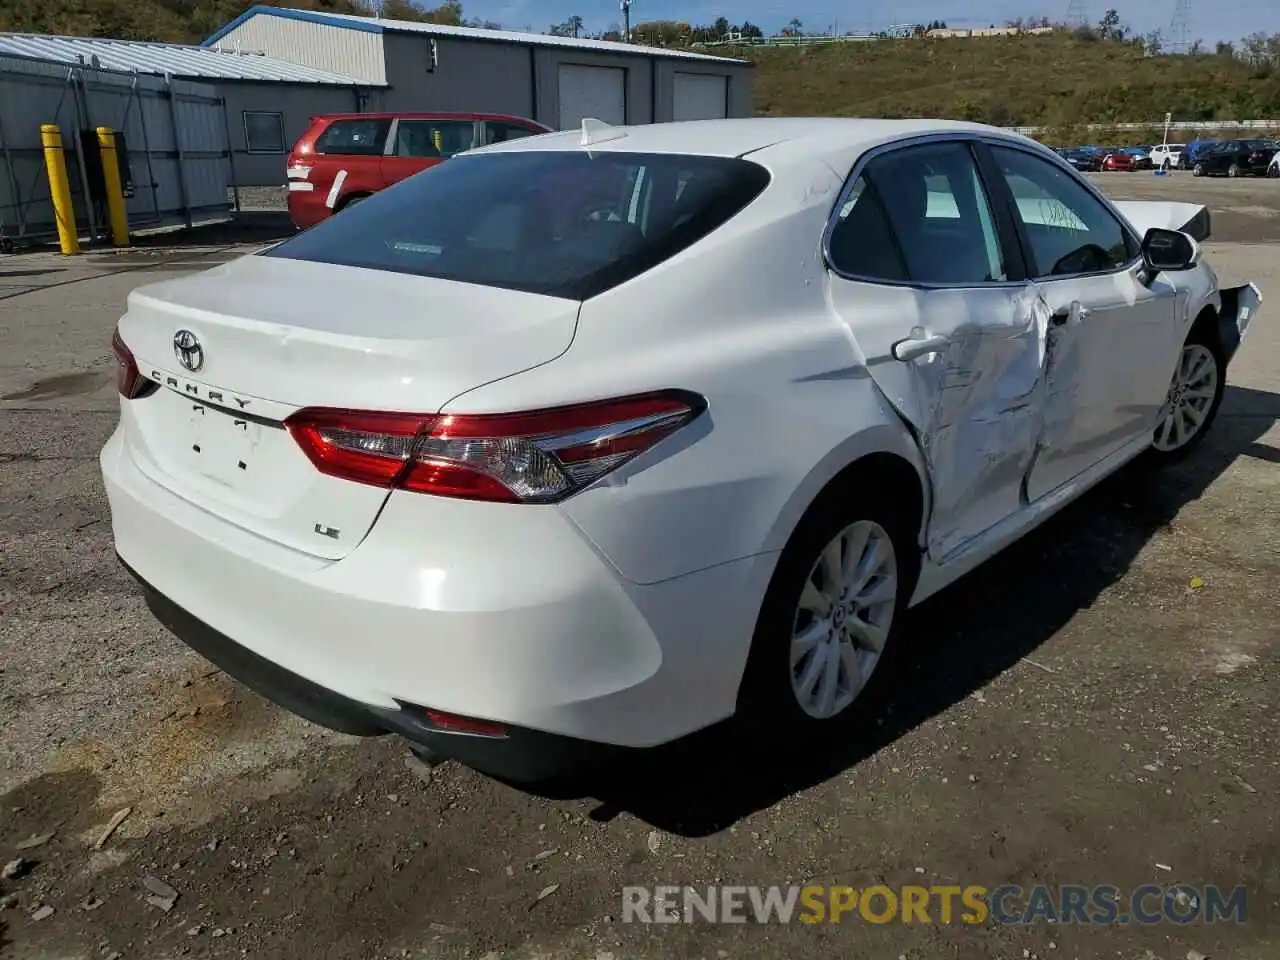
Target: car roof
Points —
{"points": [[423, 115], [767, 138]]}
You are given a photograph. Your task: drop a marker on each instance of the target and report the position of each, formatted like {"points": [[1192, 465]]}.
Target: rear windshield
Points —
{"points": [[365, 137], [564, 224]]}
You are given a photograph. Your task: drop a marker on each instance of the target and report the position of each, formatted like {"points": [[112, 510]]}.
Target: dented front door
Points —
{"points": [[1113, 344]]}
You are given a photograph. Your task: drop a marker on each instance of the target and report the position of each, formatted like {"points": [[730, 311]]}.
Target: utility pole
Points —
{"points": [[1181, 26], [626, 21], [1077, 14]]}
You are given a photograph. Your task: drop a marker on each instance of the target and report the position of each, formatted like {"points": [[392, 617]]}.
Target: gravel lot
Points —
{"points": [[1098, 705]]}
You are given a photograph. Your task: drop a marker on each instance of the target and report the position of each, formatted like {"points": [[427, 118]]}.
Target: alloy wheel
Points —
{"points": [[843, 618], [1190, 398]]}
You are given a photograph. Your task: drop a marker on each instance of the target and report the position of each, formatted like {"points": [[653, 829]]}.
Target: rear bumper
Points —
{"points": [[501, 613], [521, 755], [306, 206]]}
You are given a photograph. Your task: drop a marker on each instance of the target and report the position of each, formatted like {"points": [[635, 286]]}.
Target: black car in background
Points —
{"points": [[1236, 158], [1082, 158]]}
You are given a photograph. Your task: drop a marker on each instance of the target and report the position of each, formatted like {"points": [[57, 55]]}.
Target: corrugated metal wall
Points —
{"points": [[489, 76], [176, 134], [352, 53]]}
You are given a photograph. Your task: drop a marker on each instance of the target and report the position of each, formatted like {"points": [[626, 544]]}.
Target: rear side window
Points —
{"points": [[433, 138], [498, 132], [559, 223], [862, 243], [360, 138]]}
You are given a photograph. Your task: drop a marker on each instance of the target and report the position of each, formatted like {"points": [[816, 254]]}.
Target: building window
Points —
{"points": [[263, 132]]}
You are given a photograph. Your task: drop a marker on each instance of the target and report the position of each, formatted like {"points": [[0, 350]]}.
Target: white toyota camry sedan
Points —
{"points": [[590, 440]]}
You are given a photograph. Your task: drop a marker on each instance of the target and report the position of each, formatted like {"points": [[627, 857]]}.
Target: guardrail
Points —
{"points": [[1159, 125]]}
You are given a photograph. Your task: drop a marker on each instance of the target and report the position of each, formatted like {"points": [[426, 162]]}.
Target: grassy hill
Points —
{"points": [[1057, 80], [1060, 80]]}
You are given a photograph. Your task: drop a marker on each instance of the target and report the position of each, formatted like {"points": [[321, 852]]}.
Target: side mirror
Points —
{"points": [[1168, 251]]}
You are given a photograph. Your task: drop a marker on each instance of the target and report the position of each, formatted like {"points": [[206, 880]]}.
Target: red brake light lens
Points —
{"points": [[540, 456], [129, 381]]}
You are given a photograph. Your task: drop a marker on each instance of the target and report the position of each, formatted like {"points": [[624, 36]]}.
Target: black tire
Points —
{"points": [[1273, 172], [1197, 338], [1198, 170], [1233, 171], [767, 704], [351, 203]]}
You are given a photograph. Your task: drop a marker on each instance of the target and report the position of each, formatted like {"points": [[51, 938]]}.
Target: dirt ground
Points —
{"points": [[1097, 706]]}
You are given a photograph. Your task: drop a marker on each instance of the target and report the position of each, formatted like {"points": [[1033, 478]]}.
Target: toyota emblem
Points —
{"points": [[186, 347]]}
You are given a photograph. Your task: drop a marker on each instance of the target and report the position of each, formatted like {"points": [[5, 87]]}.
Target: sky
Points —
{"points": [[1210, 21]]}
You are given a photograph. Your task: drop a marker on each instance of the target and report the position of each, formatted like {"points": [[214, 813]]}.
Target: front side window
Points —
{"points": [[1069, 230], [919, 214], [560, 223], [433, 138]]}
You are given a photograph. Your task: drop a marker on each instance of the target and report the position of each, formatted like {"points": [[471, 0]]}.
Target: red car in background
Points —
{"points": [[345, 157], [1119, 160]]}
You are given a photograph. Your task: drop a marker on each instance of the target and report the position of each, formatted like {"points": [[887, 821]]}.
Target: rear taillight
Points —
{"points": [[540, 456], [129, 381]]}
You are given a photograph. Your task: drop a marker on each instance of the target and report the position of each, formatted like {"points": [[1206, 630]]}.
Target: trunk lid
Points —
{"points": [[275, 335]]}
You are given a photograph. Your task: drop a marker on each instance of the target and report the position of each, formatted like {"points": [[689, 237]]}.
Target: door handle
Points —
{"points": [[906, 350], [1071, 315]]}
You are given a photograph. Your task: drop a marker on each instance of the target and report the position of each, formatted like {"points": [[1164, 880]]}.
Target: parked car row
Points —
{"points": [[1204, 158], [1093, 159], [1238, 158]]}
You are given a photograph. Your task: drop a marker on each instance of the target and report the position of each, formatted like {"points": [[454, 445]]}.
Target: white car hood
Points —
{"points": [[1190, 218]]}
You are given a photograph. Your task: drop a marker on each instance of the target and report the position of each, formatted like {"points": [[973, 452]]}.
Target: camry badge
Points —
{"points": [[186, 347]]}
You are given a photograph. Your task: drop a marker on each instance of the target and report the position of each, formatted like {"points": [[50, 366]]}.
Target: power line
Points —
{"points": [[1077, 13]]}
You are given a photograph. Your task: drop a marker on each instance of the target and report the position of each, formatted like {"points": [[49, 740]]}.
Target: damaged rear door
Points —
{"points": [[929, 280]]}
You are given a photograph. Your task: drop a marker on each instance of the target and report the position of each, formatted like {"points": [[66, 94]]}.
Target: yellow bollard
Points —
{"points": [[59, 188], [115, 193]]}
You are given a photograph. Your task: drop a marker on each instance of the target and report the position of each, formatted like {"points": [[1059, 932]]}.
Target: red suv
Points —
{"points": [[344, 157]]}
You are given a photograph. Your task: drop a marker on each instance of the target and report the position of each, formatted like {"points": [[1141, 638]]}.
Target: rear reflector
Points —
{"points": [[130, 383], [541, 456], [456, 723]]}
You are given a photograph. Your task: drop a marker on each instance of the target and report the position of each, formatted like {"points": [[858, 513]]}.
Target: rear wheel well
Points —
{"points": [[880, 475], [883, 488], [351, 198]]}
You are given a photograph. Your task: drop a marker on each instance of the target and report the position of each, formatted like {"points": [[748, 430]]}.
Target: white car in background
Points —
{"points": [[593, 439], [1167, 155]]}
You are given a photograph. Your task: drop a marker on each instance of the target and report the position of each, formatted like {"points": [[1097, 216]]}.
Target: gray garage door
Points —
{"points": [[700, 96], [597, 92]]}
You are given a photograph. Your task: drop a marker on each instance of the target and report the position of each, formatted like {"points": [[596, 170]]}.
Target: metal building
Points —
{"points": [[267, 102], [178, 167], [555, 80]]}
